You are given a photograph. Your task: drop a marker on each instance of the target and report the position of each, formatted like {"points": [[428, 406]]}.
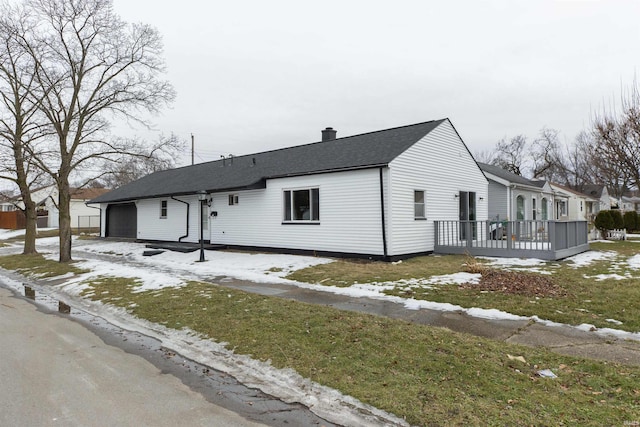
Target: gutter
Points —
{"points": [[188, 205]]}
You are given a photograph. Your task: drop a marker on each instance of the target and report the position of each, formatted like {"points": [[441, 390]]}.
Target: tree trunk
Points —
{"points": [[31, 215], [64, 200], [30, 210]]}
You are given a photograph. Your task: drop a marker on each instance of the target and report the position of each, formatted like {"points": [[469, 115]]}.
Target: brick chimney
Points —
{"points": [[328, 134]]}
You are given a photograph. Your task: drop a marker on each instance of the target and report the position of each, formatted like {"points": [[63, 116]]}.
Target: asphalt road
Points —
{"points": [[55, 372]]}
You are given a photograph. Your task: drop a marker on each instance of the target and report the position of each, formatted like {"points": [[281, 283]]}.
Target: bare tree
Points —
{"points": [[20, 128], [510, 155], [484, 156], [91, 66], [581, 163], [617, 144], [128, 168], [547, 156]]}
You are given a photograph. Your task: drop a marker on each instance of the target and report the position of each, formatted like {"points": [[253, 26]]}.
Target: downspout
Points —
{"points": [[188, 205], [384, 231], [93, 207]]}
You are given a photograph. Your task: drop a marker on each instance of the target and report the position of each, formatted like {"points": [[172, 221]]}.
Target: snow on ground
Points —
{"points": [[8, 234], [286, 384], [612, 276], [514, 262], [586, 258], [146, 279], [173, 269], [634, 262], [259, 267], [425, 283]]}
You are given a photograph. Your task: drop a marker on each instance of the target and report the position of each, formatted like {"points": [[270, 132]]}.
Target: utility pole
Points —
{"points": [[192, 149]]}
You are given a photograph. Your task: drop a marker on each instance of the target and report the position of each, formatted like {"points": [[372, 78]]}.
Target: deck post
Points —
{"points": [[552, 235], [509, 236], [468, 233]]}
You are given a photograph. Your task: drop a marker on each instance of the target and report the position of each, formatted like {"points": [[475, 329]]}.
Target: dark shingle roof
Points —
{"points": [[593, 190], [251, 171], [509, 176]]}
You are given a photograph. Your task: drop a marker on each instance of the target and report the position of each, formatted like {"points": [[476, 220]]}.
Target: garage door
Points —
{"points": [[122, 220]]}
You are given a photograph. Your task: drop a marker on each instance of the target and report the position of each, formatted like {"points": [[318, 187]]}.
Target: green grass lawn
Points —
{"points": [[429, 376], [587, 300]]}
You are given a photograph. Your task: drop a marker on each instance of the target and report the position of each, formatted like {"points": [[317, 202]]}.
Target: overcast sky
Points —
{"points": [[257, 75]]}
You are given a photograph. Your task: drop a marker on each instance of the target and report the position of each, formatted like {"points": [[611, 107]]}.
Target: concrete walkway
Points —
{"points": [[565, 340]]}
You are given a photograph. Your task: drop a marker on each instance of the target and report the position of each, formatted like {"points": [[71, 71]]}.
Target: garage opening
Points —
{"points": [[122, 220]]}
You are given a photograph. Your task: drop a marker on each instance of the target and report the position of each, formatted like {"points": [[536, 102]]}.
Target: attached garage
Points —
{"points": [[122, 220]]}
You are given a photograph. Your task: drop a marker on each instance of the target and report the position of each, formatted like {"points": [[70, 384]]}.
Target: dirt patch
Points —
{"points": [[516, 283]]}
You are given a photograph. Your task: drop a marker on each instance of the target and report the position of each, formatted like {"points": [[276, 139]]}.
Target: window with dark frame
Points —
{"points": [[233, 199], [301, 205], [163, 209], [419, 205]]}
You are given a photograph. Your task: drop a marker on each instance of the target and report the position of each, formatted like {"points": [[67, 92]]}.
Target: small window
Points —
{"points": [[562, 208], [534, 210], [301, 205], [233, 199], [519, 208], [163, 209], [418, 205]]}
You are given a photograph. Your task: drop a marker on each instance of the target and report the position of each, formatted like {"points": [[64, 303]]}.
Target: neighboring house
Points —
{"points": [[81, 214], [571, 205], [631, 203], [47, 198], [8, 203], [374, 195], [513, 197], [600, 194]]}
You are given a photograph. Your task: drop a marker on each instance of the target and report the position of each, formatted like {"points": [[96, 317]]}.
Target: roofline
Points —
{"points": [[322, 142], [570, 191], [512, 184], [254, 186]]}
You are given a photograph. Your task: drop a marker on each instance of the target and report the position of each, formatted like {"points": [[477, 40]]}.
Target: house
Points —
{"points": [[571, 205], [46, 199], [521, 223], [8, 201], [373, 195], [600, 194], [631, 203], [514, 197]]}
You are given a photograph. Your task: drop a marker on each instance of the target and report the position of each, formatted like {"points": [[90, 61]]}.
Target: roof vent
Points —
{"points": [[328, 134]]}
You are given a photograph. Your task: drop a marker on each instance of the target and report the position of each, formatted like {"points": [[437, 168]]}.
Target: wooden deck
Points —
{"points": [[549, 240]]}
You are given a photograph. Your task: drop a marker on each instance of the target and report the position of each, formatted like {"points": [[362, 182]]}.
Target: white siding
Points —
{"points": [[174, 226], [78, 208], [350, 215], [528, 197], [441, 165]]}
